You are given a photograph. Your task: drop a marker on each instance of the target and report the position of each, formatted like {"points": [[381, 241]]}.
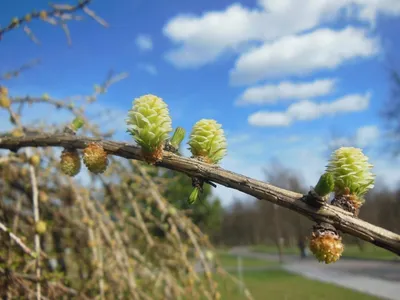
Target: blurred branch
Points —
{"points": [[62, 11], [17, 240], [337, 217], [15, 73]]}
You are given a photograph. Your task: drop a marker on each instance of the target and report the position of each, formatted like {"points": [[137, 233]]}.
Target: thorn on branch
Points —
{"points": [[210, 183]]}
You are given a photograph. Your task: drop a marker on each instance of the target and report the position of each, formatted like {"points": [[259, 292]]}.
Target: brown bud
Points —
{"points": [[95, 158]]}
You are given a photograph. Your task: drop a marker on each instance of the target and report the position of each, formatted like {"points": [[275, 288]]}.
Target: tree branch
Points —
{"points": [[340, 219]]}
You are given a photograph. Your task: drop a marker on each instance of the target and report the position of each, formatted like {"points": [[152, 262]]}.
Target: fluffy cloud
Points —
{"points": [[200, 40], [307, 110], [266, 119], [267, 94], [367, 135], [149, 68], [363, 137], [144, 42], [303, 54]]}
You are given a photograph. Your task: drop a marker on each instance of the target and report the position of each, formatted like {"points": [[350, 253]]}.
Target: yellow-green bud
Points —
{"points": [[43, 15], [17, 132], [4, 101], [40, 227], [14, 21], [150, 124], [28, 17], [34, 160], [3, 91], [172, 211], [351, 170], [207, 141]]}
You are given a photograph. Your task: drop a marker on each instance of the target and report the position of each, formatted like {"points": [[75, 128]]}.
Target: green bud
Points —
{"points": [[325, 185], [194, 196], [177, 137], [77, 123]]}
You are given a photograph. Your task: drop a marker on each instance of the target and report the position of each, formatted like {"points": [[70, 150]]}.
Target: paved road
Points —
{"points": [[378, 278]]}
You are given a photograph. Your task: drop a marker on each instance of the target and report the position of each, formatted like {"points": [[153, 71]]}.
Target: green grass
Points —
{"points": [[351, 251], [278, 284], [229, 261]]}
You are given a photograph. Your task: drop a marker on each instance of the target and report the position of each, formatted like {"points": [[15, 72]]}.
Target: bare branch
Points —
{"points": [[337, 217], [17, 240], [16, 72]]}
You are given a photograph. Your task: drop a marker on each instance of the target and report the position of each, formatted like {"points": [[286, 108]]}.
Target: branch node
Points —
{"points": [[313, 199]]}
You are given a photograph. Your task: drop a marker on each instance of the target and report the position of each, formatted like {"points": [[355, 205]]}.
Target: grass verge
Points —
{"points": [[279, 284]]}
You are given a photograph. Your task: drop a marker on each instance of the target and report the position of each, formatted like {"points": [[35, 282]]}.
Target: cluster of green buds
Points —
{"points": [[348, 175], [150, 125]]}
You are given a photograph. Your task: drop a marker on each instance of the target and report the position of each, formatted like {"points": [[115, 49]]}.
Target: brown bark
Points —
{"points": [[339, 218]]}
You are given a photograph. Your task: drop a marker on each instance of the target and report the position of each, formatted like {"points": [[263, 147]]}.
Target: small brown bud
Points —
{"points": [[70, 162], [326, 245], [95, 158]]}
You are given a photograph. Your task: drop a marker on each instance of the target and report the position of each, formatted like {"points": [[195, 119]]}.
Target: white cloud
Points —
{"points": [[268, 93], [367, 135], [144, 42], [200, 40], [303, 54], [264, 118], [364, 136], [307, 110], [149, 68]]}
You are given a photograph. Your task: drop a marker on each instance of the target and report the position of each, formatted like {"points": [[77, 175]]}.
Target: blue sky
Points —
{"points": [[288, 79]]}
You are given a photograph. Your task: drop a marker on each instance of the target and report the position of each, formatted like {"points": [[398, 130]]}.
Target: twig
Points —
{"points": [[22, 68], [17, 240], [35, 200], [339, 218], [56, 11]]}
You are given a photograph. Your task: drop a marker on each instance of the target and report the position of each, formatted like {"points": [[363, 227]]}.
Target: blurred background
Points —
{"points": [[289, 80]]}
